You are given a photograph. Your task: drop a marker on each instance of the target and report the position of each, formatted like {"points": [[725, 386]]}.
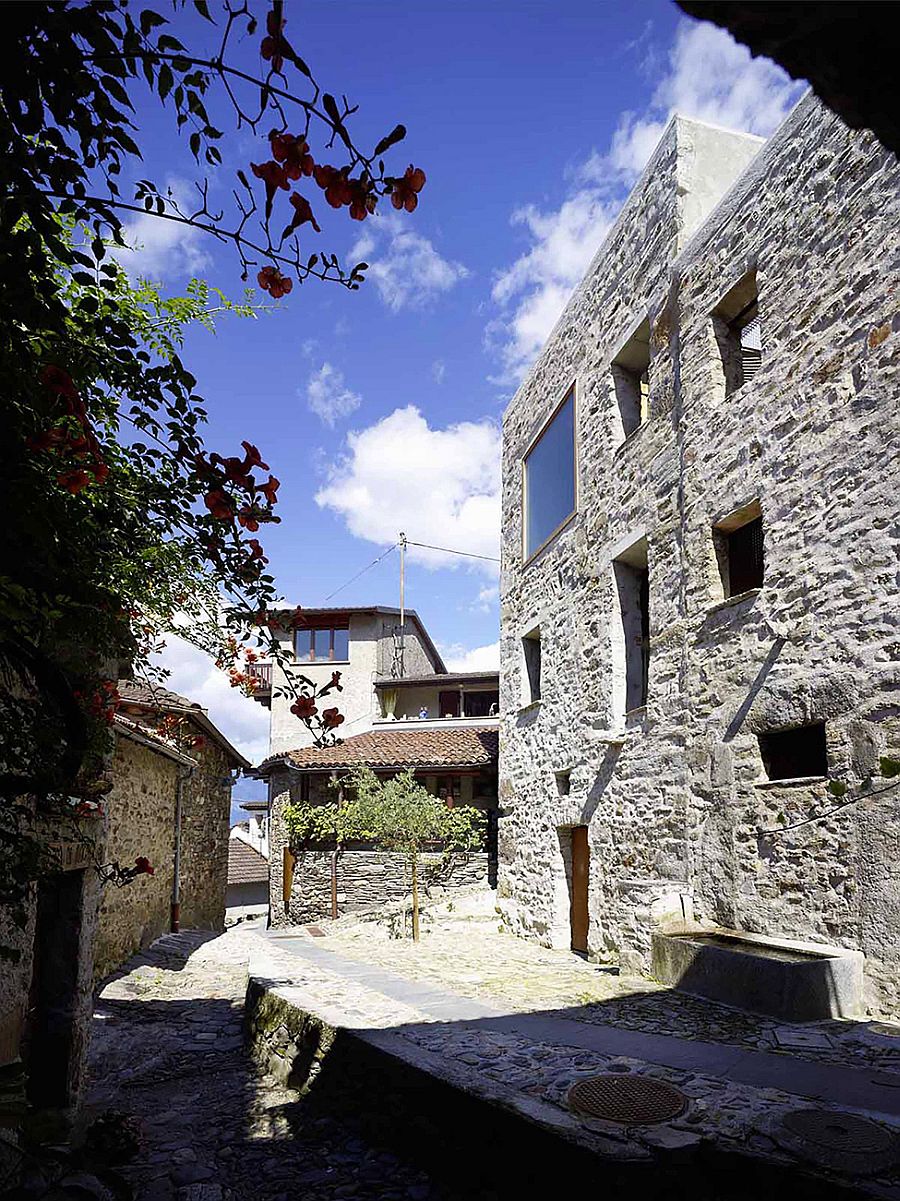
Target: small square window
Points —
{"points": [[631, 380], [531, 647], [740, 550], [793, 754]]}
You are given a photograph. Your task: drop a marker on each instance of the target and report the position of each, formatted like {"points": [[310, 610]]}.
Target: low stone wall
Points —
{"points": [[366, 880]]}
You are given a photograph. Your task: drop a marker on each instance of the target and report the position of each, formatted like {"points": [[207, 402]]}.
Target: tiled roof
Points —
{"points": [[473, 746], [245, 865], [254, 806], [162, 700]]}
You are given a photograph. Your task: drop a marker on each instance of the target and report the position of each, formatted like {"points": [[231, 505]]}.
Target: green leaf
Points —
{"points": [[889, 767], [397, 134], [837, 788], [165, 81], [150, 19]]}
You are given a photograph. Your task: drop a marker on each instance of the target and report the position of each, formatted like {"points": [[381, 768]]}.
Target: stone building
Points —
{"points": [[699, 598], [402, 708], [456, 762], [76, 930]]}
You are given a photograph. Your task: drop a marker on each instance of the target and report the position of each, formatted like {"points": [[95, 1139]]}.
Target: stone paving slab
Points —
{"points": [[526, 1062]]}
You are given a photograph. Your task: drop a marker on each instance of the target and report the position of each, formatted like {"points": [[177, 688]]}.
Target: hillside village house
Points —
{"points": [[247, 893], [699, 589], [403, 709], [169, 802]]}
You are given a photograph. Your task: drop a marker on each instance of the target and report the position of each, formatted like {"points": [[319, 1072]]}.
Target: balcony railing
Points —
{"points": [[261, 674]]}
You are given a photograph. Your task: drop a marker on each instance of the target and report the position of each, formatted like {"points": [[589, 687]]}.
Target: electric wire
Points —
{"points": [[447, 551], [361, 573]]}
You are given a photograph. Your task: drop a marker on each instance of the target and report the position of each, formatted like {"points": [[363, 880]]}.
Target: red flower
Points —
{"points": [[273, 46], [248, 518], [269, 489], [293, 152], [304, 213], [100, 470], [252, 458], [256, 551], [338, 189], [73, 481], [274, 176], [143, 866], [304, 707], [59, 381], [331, 719], [404, 194], [336, 681], [272, 281], [219, 505]]}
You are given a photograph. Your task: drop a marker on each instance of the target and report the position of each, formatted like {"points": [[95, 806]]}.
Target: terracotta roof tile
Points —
{"points": [[245, 865], [471, 746], [156, 699]]}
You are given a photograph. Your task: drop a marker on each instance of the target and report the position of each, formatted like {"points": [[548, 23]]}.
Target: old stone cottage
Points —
{"points": [[700, 588], [169, 801]]}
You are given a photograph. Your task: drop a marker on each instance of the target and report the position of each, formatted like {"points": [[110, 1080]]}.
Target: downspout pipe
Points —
{"points": [[185, 773]]}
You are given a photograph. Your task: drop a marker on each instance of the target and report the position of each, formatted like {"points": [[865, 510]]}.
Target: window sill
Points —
{"points": [[323, 662], [631, 438], [792, 782], [738, 599]]}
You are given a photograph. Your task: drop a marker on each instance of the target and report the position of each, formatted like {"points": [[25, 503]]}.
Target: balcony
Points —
{"points": [[261, 674]]}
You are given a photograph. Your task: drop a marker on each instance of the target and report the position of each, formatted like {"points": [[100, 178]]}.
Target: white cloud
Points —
{"points": [[440, 486], [480, 658], [162, 249], [707, 75], [486, 599], [327, 396], [405, 267], [193, 674], [438, 370]]}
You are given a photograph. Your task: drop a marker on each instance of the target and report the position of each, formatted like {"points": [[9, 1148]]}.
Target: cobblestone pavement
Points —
{"points": [[466, 951], [167, 1049]]}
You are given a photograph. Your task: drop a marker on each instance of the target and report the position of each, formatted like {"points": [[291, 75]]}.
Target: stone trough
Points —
{"points": [[789, 980]]}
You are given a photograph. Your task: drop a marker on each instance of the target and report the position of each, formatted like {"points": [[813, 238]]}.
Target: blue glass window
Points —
{"points": [[550, 478], [341, 644]]}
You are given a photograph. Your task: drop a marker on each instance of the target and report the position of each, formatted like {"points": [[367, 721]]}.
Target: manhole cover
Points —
{"points": [[633, 1100], [839, 1140]]}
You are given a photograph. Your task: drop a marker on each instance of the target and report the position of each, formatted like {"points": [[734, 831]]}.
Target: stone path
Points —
{"points": [[739, 1094], [167, 1050]]}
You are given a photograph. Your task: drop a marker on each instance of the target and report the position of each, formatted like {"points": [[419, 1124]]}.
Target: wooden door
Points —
{"points": [[578, 904]]}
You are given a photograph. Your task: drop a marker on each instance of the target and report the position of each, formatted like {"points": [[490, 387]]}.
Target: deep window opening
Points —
{"points": [[740, 548], [633, 591], [795, 753], [531, 647], [563, 782], [549, 478], [736, 323], [448, 703], [631, 380]]}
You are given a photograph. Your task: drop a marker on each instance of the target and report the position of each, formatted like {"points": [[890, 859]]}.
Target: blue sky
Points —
{"points": [[379, 410]]}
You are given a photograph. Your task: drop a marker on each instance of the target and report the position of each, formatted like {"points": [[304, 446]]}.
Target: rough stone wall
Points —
{"points": [[141, 809], [675, 797], [204, 841], [366, 879], [369, 880]]}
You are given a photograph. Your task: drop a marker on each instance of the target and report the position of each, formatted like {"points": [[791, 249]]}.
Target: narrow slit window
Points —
{"points": [[632, 580], [631, 380], [796, 753], [736, 323], [531, 648]]}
